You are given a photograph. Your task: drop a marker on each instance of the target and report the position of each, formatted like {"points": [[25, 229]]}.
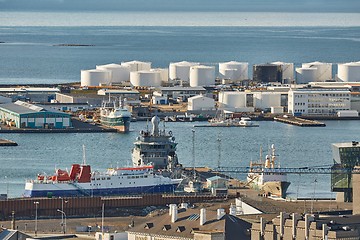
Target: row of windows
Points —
{"points": [[323, 95], [108, 178], [334, 105], [99, 184]]}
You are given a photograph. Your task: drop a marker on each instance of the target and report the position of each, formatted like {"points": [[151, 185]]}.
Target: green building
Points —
{"points": [[345, 155], [25, 115]]}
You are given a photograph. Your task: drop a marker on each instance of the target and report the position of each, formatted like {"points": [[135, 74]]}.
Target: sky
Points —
{"points": [[346, 6]]}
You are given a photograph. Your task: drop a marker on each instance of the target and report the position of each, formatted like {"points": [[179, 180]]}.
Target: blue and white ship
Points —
{"points": [[80, 181]]}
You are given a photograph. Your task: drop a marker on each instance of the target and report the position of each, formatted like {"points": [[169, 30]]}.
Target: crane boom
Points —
{"points": [[301, 170]]}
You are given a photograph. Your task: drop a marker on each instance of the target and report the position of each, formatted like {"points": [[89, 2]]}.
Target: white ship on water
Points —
{"points": [[263, 176], [115, 114], [153, 151]]}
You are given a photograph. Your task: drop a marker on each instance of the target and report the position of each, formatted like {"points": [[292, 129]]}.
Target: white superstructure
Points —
{"points": [[349, 72], [137, 66], [202, 76], [318, 101], [145, 78], [287, 70], [324, 70], [95, 77], [234, 70], [118, 73], [181, 70]]}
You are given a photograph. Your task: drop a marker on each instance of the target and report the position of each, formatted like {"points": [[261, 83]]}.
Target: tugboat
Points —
{"points": [[156, 147], [266, 177]]}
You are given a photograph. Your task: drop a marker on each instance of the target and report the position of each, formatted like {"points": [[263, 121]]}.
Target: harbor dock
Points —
{"points": [[301, 122]]}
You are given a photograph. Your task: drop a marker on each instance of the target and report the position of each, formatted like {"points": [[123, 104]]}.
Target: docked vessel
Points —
{"points": [[115, 115], [219, 122], [265, 176], [156, 147], [80, 181]]}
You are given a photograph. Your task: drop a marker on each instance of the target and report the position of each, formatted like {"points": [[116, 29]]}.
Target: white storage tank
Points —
{"points": [[164, 73], [202, 76], [234, 70], [349, 72], [118, 72], [287, 70], [306, 75], [137, 66], [94, 77], [232, 99], [181, 70], [145, 78], [324, 70]]}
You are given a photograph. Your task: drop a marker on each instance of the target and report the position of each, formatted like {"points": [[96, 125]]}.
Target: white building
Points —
{"points": [[200, 102], [249, 101], [318, 101]]}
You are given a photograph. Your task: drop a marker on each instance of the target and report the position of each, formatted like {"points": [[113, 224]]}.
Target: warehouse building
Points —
{"points": [[25, 115]]}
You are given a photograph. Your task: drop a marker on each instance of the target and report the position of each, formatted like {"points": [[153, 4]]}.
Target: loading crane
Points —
{"points": [[301, 170]]}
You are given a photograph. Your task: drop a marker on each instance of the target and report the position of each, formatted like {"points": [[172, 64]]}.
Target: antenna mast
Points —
{"points": [[193, 152], [84, 155]]}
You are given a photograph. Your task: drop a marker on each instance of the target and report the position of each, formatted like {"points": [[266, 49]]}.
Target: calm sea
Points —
{"points": [[29, 53], [296, 147]]}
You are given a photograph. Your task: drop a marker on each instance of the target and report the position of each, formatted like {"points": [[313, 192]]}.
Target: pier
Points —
{"points": [[5, 142], [301, 122]]}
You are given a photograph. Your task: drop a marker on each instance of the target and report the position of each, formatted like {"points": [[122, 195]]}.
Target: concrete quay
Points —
{"points": [[299, 121]]}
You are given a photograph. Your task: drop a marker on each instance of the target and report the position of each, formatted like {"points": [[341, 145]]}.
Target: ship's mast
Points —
{"points": [[84, 156]]}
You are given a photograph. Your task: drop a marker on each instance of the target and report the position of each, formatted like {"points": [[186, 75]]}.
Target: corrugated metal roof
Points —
{"points": [[21, 107]]}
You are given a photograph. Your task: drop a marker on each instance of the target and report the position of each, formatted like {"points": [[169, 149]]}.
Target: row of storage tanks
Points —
{"points": [[141, 73]]}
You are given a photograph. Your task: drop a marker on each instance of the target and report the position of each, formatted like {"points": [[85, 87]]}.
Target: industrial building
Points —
{"points": [[267, 73], [345, 155], [349, 72], [250, 100], [200, 102], [181, 70], [287, 70], [314, 72], [135, 66], [33, 94], [325, 102], [95, 77], [202, 76], [234, 71], [25, 115], [118, 73], [179, 92], [146, 78]]}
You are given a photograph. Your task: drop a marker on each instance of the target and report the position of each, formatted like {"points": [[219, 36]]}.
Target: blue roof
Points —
{"points": [[21, 107]]}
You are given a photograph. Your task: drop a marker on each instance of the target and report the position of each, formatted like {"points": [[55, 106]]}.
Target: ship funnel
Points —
{"points": [[155, 122]]}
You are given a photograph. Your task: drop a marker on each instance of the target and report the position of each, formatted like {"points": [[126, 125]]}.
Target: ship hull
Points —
{"points": [[67, 190], [276, 188], [122, 124]]}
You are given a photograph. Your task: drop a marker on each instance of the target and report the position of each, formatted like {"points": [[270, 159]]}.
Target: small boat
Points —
{"points": [[267, 178], [246, 122], [80, 181], [115, 115]]}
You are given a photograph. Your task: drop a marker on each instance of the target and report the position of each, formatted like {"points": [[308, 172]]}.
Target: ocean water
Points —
{"points": [[296, 147], [30, 51]]}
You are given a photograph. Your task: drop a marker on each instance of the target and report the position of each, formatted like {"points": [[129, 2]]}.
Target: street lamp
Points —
{"points": [[36, 216], [63, 214]]}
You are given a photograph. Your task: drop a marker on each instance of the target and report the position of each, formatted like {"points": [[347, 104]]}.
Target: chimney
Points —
{"points": [[262, 226], [170, 208], [356, 194], [295, 219], [232, 210], [174, 213], [220, 213], [202, 216], [308, 220], [283, 217], [325, 230]]}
